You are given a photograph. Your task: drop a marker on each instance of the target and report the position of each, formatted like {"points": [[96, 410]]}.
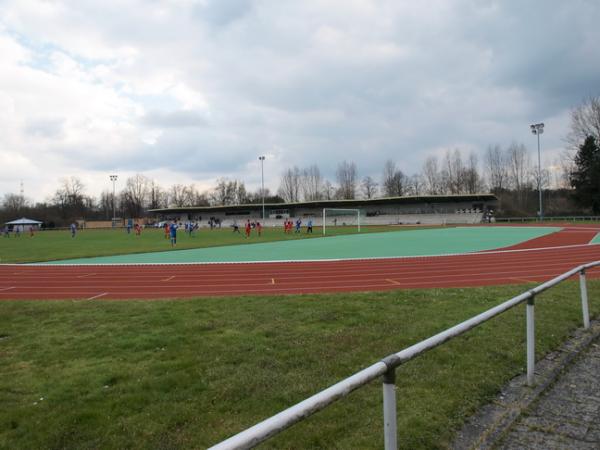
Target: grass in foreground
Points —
{"points": [[54, 245], [189, 373]]}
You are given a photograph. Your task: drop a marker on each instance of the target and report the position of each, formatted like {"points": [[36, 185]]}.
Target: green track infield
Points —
{"points": [[596, 239], [372, 245]]}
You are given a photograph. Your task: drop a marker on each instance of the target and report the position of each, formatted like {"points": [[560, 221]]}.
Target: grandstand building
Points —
{"points": [[435, 209]]}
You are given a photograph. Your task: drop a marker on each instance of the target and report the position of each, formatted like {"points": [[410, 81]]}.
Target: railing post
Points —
{"points": [[390, 423], [584, 300], [530, 340]]}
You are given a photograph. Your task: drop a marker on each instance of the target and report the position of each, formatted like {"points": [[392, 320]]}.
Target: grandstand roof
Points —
{"points": [[338, 203]]}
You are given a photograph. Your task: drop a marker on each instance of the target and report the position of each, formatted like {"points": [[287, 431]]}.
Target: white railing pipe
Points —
{"points": [[390, 422], [530, 319], [584, 299]]}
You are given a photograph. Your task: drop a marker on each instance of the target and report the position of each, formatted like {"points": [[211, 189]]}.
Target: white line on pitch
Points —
{"points": [[7, 289], [86, 275], [98, 296]]}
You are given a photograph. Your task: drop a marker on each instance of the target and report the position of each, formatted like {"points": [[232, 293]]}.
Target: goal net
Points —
{"points": [[335, 217]]}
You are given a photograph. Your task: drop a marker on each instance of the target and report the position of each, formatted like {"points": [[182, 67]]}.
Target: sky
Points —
{"points": [[189, 91]]}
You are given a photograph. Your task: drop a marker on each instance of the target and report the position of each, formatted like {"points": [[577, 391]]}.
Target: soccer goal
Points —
{"points": [[340, 216]]}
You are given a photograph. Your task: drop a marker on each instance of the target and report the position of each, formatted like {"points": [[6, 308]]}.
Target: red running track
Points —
{"points": [[567, 249]]}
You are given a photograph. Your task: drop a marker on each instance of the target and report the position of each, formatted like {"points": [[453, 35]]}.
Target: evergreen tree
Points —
{"points": [[585, 178]]}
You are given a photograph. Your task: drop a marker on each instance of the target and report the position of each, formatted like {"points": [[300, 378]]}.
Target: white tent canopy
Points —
{"points": [[24, 221]]}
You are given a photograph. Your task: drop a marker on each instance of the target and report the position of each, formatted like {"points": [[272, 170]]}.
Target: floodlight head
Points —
{"points": [[262, 158], [537, 128]]}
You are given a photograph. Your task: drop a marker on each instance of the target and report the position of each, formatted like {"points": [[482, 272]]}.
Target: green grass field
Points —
{"points": [[189, 373], [178, 374], [54, 245]]}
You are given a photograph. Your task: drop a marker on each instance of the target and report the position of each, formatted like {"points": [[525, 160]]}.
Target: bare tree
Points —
{"points": [[414, 185], [346, 175], [70, 197], [387, 182], [192, 197], [157, 197], [106, 204], [289, 187], [241, 195], [14, 203], [228, 193], [453, 171], [496, 164], [471, 178], [221, 194], [585, 121], [311, 183], [562, 173], [199, 198], [369, 187], [328, 190], [393, 180], [135, 194], [519, 172], [178, 195], [431, 176]]}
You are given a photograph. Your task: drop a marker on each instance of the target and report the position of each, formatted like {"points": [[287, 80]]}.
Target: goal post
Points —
{"points": [[340, 212]]}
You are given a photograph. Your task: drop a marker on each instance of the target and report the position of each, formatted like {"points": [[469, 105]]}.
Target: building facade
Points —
{"points": [[382, 211]]}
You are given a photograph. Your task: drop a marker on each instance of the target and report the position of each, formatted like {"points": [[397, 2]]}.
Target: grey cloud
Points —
{"points": [[223, 12], [472, 74], [174, 119], [50, 128]]}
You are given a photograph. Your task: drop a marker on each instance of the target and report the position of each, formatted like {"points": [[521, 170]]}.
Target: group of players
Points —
{"points": [[288, 224]]}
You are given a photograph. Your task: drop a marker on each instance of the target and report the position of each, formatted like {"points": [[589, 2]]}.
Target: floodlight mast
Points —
{"points": [[113, 178], [262, 183], [537, 129]]}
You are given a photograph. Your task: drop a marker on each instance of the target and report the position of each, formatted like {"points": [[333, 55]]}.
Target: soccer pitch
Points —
{"points": [[423, 242]]}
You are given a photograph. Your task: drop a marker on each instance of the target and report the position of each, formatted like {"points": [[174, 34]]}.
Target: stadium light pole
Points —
{"points": [[537, 129], [113, 178], [262, 182]]}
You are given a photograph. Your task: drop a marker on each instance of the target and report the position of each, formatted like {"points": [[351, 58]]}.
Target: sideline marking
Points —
{"points": [[97, 296], [392, 281], [7, 289], [169, 279], [86, 275]]}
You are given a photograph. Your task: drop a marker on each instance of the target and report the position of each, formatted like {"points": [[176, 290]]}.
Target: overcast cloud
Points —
{"points": [[192, 90]]}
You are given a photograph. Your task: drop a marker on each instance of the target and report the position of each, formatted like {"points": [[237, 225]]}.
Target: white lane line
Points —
{"points": [[389, 280], [169, 279], [97, 296], [86, 275], [7, 289]]}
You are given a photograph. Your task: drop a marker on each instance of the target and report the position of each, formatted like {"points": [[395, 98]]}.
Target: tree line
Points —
{"points": [[570, 186], [140, 194], [502, 169]]}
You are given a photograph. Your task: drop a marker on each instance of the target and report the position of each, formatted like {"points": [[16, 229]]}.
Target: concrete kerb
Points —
{"points": [[489, 425]]}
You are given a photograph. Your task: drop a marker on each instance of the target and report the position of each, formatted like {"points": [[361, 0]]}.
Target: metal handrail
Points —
{"points": [[387, 366]]}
